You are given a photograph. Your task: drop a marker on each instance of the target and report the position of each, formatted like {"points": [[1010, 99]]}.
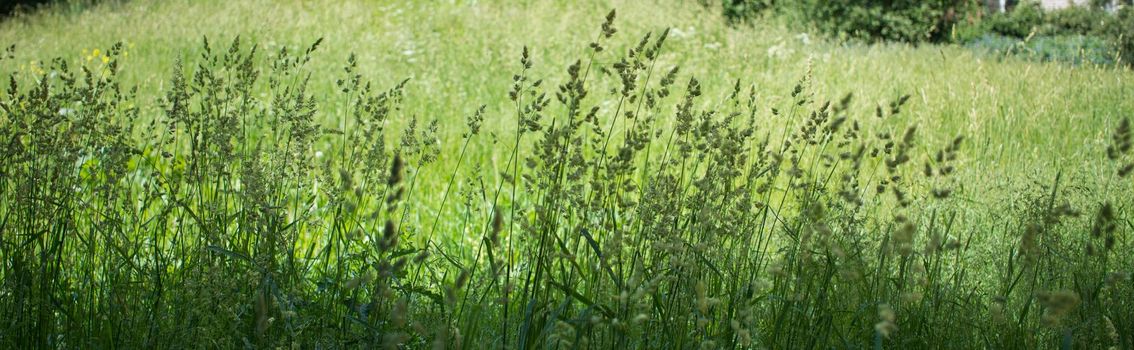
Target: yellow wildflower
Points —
{"points": [[33, 66], [105, 59]]}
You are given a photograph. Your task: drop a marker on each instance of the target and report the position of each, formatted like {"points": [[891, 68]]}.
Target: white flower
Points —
{"points": [[804, 38], [778, 51], [682, 34]]}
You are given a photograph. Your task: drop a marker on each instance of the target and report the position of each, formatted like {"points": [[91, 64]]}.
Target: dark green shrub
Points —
{"points": [[971, 28], [1119, 29], [908, 21], [896, 20], [1018, 23], [1076, 20], [741, 10], [13, 7], [10, 6]]}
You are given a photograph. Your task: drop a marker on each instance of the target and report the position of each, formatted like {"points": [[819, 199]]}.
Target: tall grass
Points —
{"points": [[625, 204]]}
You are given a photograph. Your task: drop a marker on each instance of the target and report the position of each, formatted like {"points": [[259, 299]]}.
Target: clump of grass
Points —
{"points": [[630, 207]]}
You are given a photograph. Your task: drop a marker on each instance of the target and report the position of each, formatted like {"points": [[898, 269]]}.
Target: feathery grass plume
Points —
{"points": [[996, 310], [886, 325], [944, 161], [1112, 333], [1120, 146], [1057, 305], [904, 236], [1121, 141], [1115, 278], [497, 227], [395, 178], [1105, 225], [608, 29]]}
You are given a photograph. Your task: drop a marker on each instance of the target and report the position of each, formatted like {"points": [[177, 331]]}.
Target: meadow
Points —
{"points": [[590, 174]]}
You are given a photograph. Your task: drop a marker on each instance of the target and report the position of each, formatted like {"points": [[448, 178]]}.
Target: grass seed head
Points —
{"points": [[1057, 305], [886, 325]]}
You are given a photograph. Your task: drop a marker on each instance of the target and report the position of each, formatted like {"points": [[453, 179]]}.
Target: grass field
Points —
{"points": [[252, 204]]}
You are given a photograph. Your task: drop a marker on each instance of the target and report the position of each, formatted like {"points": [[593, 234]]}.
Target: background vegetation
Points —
{"points": [[548, 176], [1096, 33]]}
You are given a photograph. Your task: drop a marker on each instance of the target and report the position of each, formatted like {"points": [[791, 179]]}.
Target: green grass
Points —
{"points": [[122, 232], [462, 54]]}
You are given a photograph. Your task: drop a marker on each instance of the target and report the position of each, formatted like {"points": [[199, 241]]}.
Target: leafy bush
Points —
{"points": [[8, 7], [11, 7], [901, 20], [741, 10], [1020, 22], [1075, 20], [1119, 29]]}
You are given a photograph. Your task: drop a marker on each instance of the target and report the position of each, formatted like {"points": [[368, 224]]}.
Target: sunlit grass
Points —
{"points": [[296, 211]]}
